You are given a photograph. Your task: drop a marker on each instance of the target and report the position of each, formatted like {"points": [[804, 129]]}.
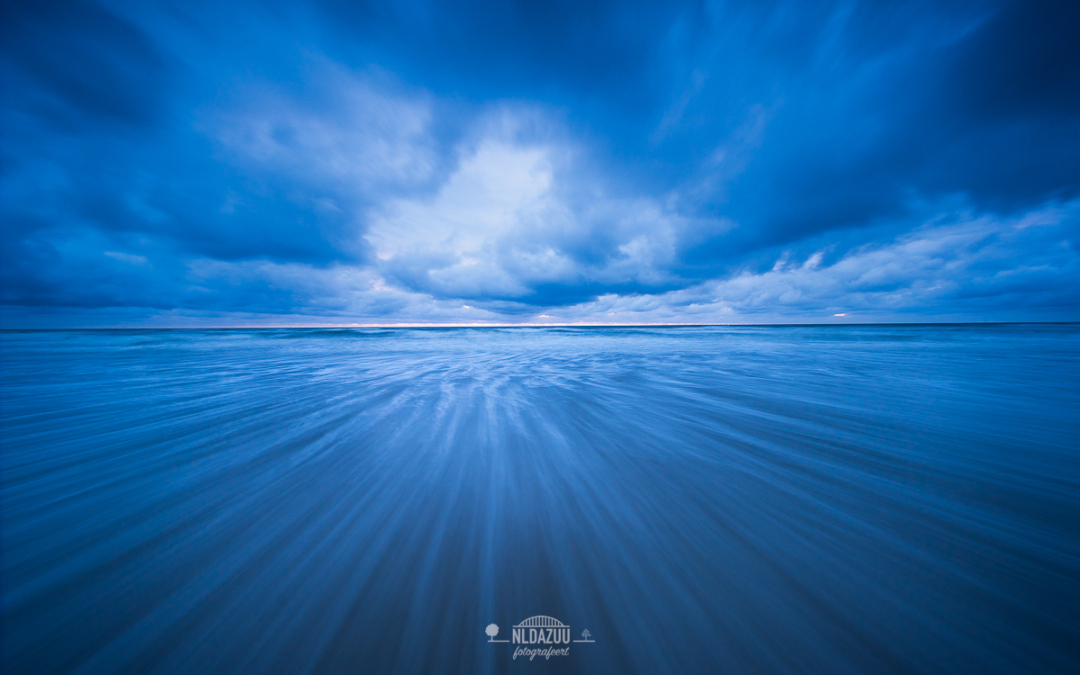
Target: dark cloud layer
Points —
{"points": [[535, 161]]}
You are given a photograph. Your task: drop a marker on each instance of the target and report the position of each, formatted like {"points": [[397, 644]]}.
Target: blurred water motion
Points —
{"points": [[879, 499]]}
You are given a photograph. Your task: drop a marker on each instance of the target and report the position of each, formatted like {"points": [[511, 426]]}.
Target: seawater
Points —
{"points": [[856, 499]]}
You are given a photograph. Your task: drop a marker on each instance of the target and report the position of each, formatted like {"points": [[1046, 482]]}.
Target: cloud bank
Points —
{"points": [[599, 163]]}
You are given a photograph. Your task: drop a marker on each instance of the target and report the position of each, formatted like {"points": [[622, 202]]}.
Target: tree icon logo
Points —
{"points": [[492, 630], [585, 636]]}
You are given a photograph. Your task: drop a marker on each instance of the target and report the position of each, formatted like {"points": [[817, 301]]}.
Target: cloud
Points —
{"points": [[958, 266], [352, 133], [451, 245], [526, 219], [127, 257], [600, 160], [955, 265], [77, 63]]}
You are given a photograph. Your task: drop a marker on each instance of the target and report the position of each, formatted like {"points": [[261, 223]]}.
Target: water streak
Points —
{"points": [[737, 500]]}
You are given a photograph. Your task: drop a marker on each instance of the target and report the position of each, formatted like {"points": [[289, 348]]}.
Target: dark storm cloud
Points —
{"points": [[864, 127], [81, 63], [442, 161]]}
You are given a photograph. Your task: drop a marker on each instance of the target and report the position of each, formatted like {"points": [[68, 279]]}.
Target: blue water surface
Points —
{"points": [[840, 499]]}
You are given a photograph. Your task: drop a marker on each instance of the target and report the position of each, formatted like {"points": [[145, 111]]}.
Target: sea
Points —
{"points": [[744, 499]]}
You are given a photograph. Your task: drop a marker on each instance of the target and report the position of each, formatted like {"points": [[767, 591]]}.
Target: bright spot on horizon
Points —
{"points": [[841, 314]]}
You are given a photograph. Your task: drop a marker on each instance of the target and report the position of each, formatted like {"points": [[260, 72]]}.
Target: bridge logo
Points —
{"points": [[541, 630]]}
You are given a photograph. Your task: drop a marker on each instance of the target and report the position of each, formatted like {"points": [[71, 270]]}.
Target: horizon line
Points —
{"points": [[540, 325]]}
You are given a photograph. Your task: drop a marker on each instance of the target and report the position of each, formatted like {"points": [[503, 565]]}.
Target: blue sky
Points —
{"points": [[228, 163]]}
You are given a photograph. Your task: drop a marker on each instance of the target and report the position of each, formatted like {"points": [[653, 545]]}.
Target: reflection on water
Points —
{"points": [[736, 500]]}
